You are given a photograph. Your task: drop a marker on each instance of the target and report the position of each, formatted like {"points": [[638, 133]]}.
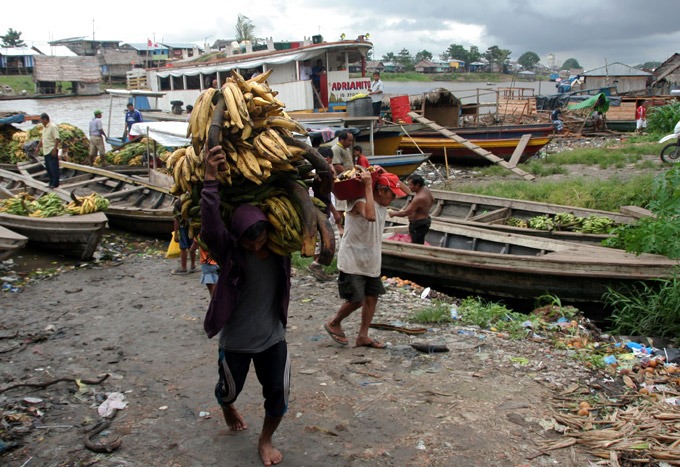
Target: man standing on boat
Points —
{"points": [[97, 136], [418, 210], [49, 143], [376, 94], [132, 116]]}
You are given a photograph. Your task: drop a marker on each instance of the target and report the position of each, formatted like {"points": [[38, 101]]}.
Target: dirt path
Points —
{"points": [[480, 404]]}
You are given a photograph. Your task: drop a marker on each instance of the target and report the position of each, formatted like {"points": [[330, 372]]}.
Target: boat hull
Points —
{"points": [[74, 236], [401, 165], [480, 261], [494, 132], [491, 212], [10, 243], [442, 148]]}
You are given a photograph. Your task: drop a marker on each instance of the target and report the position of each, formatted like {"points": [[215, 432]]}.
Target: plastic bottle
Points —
{"points": [[454, 312]]}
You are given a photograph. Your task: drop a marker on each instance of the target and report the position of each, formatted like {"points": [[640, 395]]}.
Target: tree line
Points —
{"points": [[496, 57]]}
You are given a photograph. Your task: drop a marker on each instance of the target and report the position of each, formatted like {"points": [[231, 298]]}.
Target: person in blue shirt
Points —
{"points": [[132, 116]]}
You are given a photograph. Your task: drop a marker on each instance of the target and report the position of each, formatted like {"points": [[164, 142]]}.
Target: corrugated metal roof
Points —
{"points": [[17, 51], [616, 69], [145, 46], [81, 69], [179, 45], [53, 50]]}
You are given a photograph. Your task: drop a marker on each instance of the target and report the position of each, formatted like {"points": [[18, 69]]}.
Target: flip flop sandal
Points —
{"points": [[179, 272], [339, 338], [373, 345]]}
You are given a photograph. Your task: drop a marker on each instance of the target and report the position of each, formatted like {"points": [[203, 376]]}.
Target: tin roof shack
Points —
{"points": [[17, 60], [51, 74], [628, 80], [181, 50], [85, 47], [154, 55], [116, 63], [667, 76], [431, 66]]}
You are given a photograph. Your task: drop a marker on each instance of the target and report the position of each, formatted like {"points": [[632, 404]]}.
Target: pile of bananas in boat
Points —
{"points": [[565, 221], [266, 165], [87, 204], [51, 205]]}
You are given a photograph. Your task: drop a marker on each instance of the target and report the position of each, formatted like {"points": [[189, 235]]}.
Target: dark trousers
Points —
{"points": [[418, 229], [52, 167], [272, 367]]}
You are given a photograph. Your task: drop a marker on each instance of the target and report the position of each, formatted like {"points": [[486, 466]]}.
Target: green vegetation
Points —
{"points": [[438, 312], [300, 262], [662, 120], [659, 234], [605, 195], [647, 310], [492, 315], [18, 83]]}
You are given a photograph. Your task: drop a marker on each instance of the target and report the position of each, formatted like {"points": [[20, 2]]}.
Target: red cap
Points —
{"points": [[391, 181]]}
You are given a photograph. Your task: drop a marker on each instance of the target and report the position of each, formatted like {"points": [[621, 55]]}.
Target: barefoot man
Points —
{"points": [[248, 308], [418, 210]]}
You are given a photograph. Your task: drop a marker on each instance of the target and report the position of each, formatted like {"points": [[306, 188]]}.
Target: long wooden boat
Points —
{"points": [[539, 130], [137, 205], [384, 142], [401, 165], [493, 212], [75, 236], [467, 259], [458, 154], [10, 242]]}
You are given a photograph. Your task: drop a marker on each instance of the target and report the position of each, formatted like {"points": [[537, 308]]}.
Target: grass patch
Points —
{"points": [[19, 83], [606, 195], [437, 313], [647, 309], [300, 262]]}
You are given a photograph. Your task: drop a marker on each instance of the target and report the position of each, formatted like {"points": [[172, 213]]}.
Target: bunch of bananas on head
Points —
{"points": [[265, 165]]}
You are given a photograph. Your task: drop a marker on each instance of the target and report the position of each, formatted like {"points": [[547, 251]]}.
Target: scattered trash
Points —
{"points": [[429, 348], [114, 401], [205, 415], [609, 359], [420, 445]]}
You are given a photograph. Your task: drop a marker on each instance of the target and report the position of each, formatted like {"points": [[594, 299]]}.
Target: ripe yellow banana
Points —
{"points": [[232, 107], [287, 123]]}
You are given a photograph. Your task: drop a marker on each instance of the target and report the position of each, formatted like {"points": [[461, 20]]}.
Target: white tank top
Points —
{"points": [[360, 248]]}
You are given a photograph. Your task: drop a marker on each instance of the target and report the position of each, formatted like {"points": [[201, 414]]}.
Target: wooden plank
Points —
{"points": [[519, 150], [113, 175], [636, 211], [68, 186], [501, 213], [472, 147]]}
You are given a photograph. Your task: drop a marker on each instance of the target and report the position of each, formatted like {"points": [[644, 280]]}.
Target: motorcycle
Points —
{"points": [[671, 152]]}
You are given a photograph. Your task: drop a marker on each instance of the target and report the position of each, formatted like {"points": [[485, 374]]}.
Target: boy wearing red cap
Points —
{"points": [[359, 257]]}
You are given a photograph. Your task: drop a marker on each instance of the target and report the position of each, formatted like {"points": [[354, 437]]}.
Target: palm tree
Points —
{"points": [[245, 29]]}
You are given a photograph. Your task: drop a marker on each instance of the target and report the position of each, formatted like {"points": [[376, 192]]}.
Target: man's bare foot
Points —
{"points": [[268, 453], [233, 418]]}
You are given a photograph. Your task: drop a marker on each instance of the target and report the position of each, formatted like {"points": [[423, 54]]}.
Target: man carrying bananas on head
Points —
{"points": [[248, 308]]}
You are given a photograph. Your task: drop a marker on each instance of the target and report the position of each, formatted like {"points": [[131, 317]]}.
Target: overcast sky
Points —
{"points": [[593, 32]]}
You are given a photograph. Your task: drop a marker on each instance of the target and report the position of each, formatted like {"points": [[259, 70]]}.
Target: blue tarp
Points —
{"points": [[16, 118]]}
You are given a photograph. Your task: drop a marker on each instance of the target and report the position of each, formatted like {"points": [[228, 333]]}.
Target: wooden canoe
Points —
{"points": [[492, 212], [75, 236], [482, 261], [10, 242], [137, 205], [458, 154], [539, 130], [401, 165]]}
